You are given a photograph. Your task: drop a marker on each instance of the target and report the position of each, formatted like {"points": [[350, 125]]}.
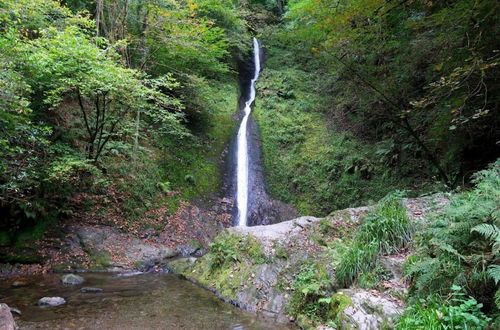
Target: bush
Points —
{"points": [[309, 301], [457, 312]]}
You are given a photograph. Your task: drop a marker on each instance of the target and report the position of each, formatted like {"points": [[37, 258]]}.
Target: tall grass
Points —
{"points": [[387, 229]]}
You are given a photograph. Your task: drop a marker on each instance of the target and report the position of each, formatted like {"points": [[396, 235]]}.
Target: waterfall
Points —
{"points": [[242, 148]]}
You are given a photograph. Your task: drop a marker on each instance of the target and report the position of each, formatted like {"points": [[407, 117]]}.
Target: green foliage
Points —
{"points": [[357, 258], [420, 74], [388, 225], [387, 229], [227, 249], [459, 245], [75, 113], [309, 301], [372, 279], [310, 163], [222, 251], [456, 312]]}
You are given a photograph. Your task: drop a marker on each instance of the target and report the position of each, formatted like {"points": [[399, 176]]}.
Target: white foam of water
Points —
{"points": [[242, 149]]}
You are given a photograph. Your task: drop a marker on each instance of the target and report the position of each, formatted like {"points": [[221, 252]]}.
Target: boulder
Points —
{"points": [[51, 301], [128, 252], [6, 318], [370, 310], [186, 250], [72, 279]]}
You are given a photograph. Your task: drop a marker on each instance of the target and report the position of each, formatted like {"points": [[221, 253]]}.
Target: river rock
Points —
{"points": [[19, 283], [6, 318], [14, 310], [72, 279], [186, 250], [90, 290], [51, 301]]}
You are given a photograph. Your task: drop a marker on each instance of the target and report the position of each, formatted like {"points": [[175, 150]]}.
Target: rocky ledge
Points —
{"points": [[268, 269]]}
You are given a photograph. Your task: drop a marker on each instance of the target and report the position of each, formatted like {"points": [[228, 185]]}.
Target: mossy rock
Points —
{"points": [[338, 303]]}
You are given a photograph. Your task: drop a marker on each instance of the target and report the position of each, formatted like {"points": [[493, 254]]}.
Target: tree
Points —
{"points": [[106, 93], [417, 72]]}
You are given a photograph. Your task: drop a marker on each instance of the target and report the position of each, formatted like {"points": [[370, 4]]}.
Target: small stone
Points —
{"points": [[90, 290], [51, 301], [72, 279], [14, 310], [19, 283], [200, 252]]}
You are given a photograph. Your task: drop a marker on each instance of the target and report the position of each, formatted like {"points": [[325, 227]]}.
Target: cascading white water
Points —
{"points": [[242, 149]]}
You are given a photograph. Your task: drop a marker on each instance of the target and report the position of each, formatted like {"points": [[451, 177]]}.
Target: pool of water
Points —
{"points": [[145, 301]]}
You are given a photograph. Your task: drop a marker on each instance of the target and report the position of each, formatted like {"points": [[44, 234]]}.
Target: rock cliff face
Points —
{"points": [[260, 268]]}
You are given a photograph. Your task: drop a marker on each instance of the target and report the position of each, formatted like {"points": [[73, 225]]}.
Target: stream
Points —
{"points": [[145, 301]]}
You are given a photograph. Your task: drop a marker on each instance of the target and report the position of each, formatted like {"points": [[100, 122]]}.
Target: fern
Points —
{"points": [[494, 272], [461, 244], [491, 233]]}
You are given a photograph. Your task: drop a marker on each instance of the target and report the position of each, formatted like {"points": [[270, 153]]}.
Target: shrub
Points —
{"points": [[457, 312], [309, 300]]}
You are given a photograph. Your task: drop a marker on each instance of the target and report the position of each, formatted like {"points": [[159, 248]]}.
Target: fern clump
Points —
{"points": [[460, 245]]}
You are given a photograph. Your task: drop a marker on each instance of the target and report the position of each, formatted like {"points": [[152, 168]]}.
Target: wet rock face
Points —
{"points": [[264, 282], [256, 267], [262, 210], [6, 318], [72, 279], [51, 301], [255, 283]]}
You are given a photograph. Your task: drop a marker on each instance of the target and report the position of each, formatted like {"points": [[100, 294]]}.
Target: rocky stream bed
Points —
{"points": [[142, 282]]}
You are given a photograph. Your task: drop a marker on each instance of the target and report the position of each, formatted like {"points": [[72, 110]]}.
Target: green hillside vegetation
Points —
{"points": [[370, 96], [124, 109], [135, 99]]}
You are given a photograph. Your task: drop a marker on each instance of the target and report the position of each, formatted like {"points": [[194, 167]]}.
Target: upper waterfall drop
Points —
{"points": [[242, 146]]}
